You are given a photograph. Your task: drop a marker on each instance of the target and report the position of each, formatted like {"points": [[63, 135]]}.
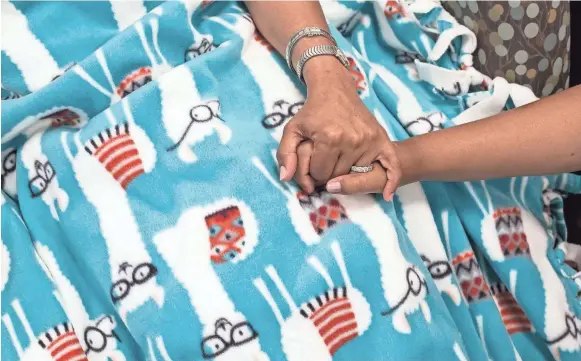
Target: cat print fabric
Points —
{"points": [[143, 218]]}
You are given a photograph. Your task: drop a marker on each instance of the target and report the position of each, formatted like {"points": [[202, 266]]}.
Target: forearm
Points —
{"points": [[540, 138], [278, 21]]}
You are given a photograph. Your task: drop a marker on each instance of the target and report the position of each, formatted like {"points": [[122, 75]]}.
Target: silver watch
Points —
{"points": [[309, 31], [318, 50]]}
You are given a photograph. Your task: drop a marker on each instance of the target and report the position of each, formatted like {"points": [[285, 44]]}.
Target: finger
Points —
{"points": [[323, 162], [287, 151], [302, 177], [366, 158], [344, 163], [359, 183], [389, 161]]}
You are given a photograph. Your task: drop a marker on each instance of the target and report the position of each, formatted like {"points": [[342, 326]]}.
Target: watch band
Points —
{"points": [[309, 31], [319, 50]]}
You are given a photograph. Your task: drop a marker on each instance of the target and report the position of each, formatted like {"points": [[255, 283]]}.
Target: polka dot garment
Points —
{"points": [[526, 42]]}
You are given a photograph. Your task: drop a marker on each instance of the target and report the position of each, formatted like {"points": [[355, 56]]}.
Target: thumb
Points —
{"points": [[359, 183], [287, 152], [391, 166]]}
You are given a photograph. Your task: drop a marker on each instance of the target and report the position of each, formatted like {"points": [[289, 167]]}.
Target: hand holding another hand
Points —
{"points": [[334, 131], [354, 183]]}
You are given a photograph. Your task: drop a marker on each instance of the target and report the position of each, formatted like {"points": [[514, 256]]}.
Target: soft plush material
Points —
{"points": [[143, 219]]}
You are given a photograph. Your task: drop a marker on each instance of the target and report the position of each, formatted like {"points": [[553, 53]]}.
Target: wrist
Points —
{"points": [[319, 70], [326, 71], [304, 44], [409, 155]]}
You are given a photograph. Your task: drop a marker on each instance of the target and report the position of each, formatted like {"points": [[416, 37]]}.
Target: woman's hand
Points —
{"points": [[342, 130], [354, 183], [376, 180], [362, 183]]}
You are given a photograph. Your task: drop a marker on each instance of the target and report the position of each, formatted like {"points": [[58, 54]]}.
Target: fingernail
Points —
{"points": [[333, 187], [389, 197], [283, 173]]}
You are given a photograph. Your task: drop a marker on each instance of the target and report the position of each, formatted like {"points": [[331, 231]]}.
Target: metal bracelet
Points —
{"points": [[309, 31], [318, 50]]}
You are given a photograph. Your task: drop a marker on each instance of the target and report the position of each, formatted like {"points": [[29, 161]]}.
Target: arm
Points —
{"points": [[278, 21], [342, 130], [543, 137]]}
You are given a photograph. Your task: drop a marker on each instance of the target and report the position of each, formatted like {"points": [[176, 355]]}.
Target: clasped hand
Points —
{"points": [[332, 132]]}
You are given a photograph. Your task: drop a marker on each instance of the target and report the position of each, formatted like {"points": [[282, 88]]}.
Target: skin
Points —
{"points": [[543, 137], [333, 120]]}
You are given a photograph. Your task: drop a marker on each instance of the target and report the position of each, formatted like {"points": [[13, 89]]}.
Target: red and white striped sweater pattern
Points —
{"points": [[334, 317], [513, 316], [62, 344], [117, 151]]}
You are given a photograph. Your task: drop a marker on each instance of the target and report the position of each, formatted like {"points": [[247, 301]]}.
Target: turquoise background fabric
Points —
{"points": [[142, 208]]}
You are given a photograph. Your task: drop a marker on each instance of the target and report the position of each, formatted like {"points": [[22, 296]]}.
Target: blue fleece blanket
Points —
{"points": [[142, 218]]}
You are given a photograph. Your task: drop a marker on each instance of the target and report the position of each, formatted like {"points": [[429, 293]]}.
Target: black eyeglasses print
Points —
{"points": [[415, 286], [204, 47], [437, 269], [9, 162], [240, 334], [44, 175], [277, 118], [423, 120], [97, 339], [573, 329], [141, 274], [202, 113]]}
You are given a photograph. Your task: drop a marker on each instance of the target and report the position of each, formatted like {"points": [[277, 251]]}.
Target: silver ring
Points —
{"points": [[362, 168]]}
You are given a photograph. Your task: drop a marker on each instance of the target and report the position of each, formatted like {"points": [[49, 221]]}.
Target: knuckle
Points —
{"points": [[362, 186], [332, 135], [293, 126], [290, 127], [373, 136], [357, 139], [362, 183]]}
